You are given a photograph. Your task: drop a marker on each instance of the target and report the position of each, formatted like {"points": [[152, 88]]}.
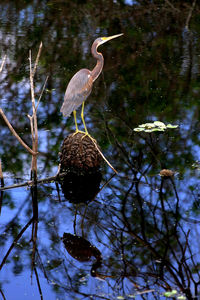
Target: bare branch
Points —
{"points": [[38, 283], [172, 6], [104, 158], [2, 294], [31, 82], [32, 182], [31, 123], [1, 175], [37, 59], [42, 92], [2, 185], [16, 135], [190, 15]]}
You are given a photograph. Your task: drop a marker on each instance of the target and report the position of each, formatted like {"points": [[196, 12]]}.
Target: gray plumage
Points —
{"points": [[78, 89]]}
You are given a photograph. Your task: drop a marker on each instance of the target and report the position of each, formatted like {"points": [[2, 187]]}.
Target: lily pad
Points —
{"points": [[155, 126], [172, 126], [147, 125], [159, 124]]}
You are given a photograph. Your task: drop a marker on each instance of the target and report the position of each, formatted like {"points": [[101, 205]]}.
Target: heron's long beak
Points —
{"points": [[106, 39]]}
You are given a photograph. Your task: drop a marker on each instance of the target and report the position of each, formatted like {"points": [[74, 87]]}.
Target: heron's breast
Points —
{"points": [[86, 89]]}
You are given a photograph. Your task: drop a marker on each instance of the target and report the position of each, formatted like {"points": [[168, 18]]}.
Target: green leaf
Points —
{"points": [[158, 129], [172, 126], [159, 124], [170, 294], [138, 129]]}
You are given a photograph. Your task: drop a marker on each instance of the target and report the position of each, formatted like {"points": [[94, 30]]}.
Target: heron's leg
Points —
{"points": [[82, 117], [86, 132], [77, 130], [74, 113]]}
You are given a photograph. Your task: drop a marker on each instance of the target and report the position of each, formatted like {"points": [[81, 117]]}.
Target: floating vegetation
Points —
{"points": [[196, 165], [174, 294], [155, 126], [166, 173]]}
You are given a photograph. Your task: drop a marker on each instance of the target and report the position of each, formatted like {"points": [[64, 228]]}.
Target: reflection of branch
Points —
{"points": [[14, 242], [32, 182], [169, 266], [35, 221], [190, 15], [2, 185], [1, 175], [38, 283], [2, 294]]}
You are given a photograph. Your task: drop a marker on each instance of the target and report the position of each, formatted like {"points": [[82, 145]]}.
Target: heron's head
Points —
{"points": [[103, 40]]}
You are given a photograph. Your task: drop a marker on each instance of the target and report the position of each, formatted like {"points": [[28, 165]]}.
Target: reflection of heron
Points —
{"points": [[82, 250], [80, 86]]}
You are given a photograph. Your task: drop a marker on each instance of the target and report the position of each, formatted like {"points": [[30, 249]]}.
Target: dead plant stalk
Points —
{"points": [[33, 118]]}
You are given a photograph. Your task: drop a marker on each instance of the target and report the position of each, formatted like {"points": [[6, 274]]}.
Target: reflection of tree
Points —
{"points": [[141, 223]]}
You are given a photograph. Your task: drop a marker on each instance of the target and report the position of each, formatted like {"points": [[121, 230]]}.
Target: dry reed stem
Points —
{"points": [[104, 157], [42, 92], [33, 118], [37, 60]]}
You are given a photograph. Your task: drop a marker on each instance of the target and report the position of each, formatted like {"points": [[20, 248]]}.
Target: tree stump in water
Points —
{"points": [[80, 160], [79, 151]]}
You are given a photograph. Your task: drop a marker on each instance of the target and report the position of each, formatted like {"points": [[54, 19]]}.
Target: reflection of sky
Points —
{"points": [[58, 218]]}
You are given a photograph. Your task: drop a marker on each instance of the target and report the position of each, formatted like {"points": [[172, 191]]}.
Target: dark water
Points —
{"points": [[142, 229]]}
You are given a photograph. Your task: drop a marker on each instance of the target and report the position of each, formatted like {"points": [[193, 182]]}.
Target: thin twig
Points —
{"points": [[104, 157], [2, 294], [38, 283], [42, 92], [106, 183], [31, 123], [32, 182], [37, 59], [172, 6], [33, 119], [14, 242], [35, 222], [58, 191], [190, 15], [3, 62], [16, 135], [2, 185], [1, 175], [31, 80]]}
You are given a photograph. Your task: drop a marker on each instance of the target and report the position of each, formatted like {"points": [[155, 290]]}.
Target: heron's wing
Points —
{"points": [[77, 91]]}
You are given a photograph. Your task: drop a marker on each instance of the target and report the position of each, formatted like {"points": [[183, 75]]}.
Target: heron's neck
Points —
{"points": [[100, 61]]}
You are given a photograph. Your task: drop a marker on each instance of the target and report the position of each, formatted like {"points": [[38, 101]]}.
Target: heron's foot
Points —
{"points": [[88, 135]]}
